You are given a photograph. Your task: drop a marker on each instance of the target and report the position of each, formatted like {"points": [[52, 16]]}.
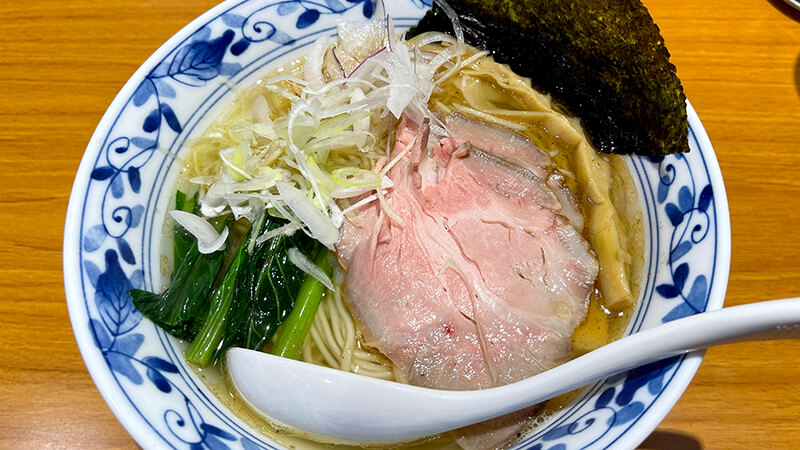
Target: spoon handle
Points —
{"points": [[774, 319], [760, 321]]}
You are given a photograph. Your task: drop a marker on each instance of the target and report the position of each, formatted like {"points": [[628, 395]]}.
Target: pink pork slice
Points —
{"points": [[485, 278]]}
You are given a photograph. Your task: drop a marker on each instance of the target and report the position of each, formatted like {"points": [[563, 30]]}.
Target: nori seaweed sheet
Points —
{"points": [[601, 60]]}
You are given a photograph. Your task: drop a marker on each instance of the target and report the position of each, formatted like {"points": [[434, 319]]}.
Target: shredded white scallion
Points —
{"points": [[306, 265], [306, 149], [319, 225], [208, 239]]}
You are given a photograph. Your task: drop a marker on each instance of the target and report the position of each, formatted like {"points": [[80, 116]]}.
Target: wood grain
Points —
{"points": [[61, 64]]}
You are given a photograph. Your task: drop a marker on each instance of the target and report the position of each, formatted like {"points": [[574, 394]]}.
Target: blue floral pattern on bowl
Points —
{"points": [[123, 188]]}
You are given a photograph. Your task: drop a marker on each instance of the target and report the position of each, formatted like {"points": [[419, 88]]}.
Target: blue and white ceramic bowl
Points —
{"points": [[123, 187]]}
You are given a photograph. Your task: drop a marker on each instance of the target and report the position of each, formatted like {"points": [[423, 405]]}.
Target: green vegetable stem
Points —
{"points": [[211, 335], [294, 330]]}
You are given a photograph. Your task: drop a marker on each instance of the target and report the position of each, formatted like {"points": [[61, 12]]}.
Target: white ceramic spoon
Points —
{"points": [[356, 408]]}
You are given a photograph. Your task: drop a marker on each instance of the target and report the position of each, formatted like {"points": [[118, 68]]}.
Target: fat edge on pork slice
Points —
{"points": [[603, 61]]}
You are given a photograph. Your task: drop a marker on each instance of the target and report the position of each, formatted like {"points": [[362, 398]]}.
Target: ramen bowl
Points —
{"points": [[123, 188]]}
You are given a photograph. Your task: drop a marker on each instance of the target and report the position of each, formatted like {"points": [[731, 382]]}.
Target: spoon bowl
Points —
{"points": [[355, 408]]}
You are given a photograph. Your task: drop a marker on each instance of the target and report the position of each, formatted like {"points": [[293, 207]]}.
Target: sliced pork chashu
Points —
{"points": [[485, 277]]}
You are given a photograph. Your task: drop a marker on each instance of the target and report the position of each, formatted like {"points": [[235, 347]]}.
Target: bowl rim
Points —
{"points": [[138, 427], [692, 360], [134, 424]]}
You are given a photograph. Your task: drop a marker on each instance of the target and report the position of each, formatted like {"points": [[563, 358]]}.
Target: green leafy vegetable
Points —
{"points": [[256, 292], [293, 332], [256, 295], [603, 61], [267, 287], [178, 308]]}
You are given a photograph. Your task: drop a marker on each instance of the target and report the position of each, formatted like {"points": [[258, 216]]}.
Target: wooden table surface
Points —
{"points": [[62, 62]]}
